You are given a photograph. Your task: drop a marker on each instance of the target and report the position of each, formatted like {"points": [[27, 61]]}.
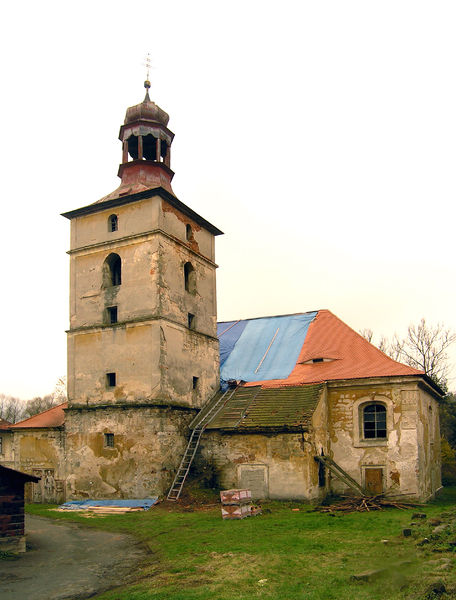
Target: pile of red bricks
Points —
{"points": [[237, 504]]}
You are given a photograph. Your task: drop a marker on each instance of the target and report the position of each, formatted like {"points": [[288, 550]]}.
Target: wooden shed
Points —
{"points": [[12, 530]]}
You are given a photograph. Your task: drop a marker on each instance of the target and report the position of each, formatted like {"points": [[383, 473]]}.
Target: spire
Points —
{"points": [[147, 82]]}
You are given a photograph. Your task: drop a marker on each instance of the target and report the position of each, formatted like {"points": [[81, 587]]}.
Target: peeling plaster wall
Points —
{"points": [[160, 359], [7, 456], [406, 467], [286, 458], [175, 301], [41, 452], [151, 349], [148, 446], [133, 218], [428, 430]]}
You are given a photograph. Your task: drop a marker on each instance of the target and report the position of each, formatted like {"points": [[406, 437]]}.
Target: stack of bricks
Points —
{"points": [[236, 504]]}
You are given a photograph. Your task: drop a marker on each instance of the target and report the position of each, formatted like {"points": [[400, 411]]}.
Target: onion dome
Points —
{"points": [[146, 111]]}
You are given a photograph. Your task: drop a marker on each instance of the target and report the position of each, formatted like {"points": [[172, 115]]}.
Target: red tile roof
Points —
{"points": [[352, 356], [5, 424], [53, 417]]}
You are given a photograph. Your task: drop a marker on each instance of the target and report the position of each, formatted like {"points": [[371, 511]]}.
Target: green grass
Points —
{"points": [[283, 554]]}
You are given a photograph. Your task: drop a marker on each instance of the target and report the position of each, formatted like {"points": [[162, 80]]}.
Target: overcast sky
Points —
{"points": [[319, 136]]}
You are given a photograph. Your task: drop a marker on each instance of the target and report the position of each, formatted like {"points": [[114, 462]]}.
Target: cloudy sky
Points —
{"points": [[319, 136]]}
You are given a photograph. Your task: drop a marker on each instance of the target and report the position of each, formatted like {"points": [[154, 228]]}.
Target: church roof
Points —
{"points": [[5, 424], [300, 349], [281, 364], [53, 417]]}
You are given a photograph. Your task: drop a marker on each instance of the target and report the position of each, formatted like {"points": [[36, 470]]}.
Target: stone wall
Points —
{"points": [[41, 452], [124, 452], [407, 465], [6, 454], [273, 465]]}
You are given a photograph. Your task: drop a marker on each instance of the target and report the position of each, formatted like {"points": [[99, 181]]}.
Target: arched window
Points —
{"points": [[113, 223], [190, 278], [112, 271], [374, 421]]}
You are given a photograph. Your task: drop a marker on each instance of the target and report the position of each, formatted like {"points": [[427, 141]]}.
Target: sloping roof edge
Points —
{"points": [[52, 417], [159, 191]]}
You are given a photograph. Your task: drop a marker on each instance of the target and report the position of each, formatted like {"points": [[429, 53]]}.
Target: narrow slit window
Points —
{"points": [[112, 271], [109, 440], [113, 223], [189, 278], [112, 314], [191, 321], [195, 383], [189, 232], [111, 379]]}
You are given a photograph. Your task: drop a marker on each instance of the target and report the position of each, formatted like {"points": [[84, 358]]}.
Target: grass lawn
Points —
{"points": [[284, 553]]}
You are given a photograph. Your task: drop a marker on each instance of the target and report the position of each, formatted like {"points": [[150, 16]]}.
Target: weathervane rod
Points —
{"points": [[148, 67]]}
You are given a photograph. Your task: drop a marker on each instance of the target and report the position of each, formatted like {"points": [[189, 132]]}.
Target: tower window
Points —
{"points": [[195, 383], [191, 321], [190, 278], [111, 379], [111, 313], [374, 421], [112, 271], [109, 440], [189, 232], [113, 223]]}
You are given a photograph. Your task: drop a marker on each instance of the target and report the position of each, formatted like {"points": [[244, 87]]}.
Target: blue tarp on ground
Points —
{"points": [[243, 346], [144, 503]]}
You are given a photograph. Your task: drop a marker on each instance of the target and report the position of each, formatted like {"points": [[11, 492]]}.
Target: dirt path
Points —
{"points": [[68, 561]]}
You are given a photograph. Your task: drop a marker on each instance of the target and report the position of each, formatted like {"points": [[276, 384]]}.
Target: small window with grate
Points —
{"points": [[109, 440], [191, 321]]}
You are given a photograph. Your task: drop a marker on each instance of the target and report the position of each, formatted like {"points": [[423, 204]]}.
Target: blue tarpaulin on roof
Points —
{"points": [[262, 349], [144, 503], [228, 334]]}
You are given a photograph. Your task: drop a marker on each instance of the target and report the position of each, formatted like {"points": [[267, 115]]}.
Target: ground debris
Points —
{"points": [[364, 504]]}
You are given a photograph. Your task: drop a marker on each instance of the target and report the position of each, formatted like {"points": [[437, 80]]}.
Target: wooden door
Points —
{"points": [[373, 481]]}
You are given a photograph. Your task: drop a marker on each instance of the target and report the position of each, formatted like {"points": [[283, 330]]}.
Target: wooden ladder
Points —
{"points": [[193, 443], [340, 473]]}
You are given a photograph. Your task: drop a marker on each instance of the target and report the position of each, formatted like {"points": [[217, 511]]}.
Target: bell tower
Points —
{"points": [[142, 345]]}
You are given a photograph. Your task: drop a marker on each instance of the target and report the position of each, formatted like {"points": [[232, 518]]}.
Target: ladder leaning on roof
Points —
{"points": [[193, 443]]}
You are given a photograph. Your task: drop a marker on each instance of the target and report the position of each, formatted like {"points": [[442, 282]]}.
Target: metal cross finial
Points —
{"points": [[148, 66]]}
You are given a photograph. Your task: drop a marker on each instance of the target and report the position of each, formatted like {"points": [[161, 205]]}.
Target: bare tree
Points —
{"points": [[367, 334], [59, 394], [11, 408], [38, 405], [425, 348]]}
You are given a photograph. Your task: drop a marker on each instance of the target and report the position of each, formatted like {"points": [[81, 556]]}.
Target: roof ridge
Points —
{"points": [[271, 316], [40, 413]]}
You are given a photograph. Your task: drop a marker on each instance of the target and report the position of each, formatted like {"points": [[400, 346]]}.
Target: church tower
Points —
{"points": [[142, 346]]}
